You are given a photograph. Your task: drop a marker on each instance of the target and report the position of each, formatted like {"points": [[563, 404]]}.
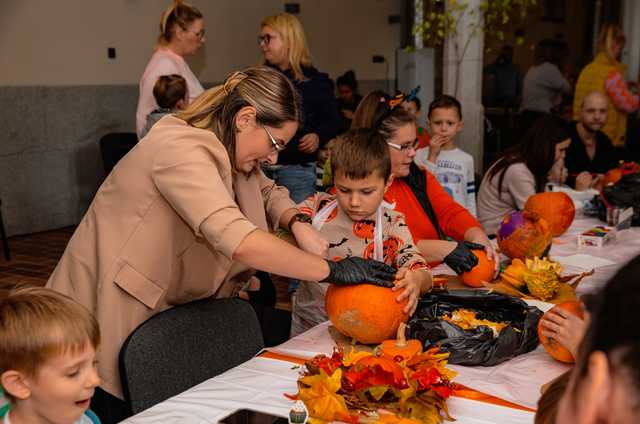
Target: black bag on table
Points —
{"points": [[477, 346], [623, 194]]}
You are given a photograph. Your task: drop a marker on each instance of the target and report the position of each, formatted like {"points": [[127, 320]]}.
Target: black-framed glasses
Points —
{"points": [[266, 39], [404, 148], [277, 146]]}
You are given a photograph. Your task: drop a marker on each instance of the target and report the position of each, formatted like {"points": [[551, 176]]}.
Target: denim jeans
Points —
{"points": [[300, 180]]}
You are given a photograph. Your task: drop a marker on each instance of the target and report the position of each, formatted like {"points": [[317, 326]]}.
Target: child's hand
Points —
{"points": [[435, 144], [565, 327], [414, 283]]}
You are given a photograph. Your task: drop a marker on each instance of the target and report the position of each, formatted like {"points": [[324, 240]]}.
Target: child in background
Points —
{"points": [[357, 222], [414, 106], [170, 92], [323, 166], [452, 167], [47, 358]]}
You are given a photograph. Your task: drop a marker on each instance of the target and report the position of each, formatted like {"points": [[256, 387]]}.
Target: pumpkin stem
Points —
{"points": [[401, 340]]}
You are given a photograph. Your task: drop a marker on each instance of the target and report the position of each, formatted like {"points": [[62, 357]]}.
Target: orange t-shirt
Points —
{"points": [[454, 219]]}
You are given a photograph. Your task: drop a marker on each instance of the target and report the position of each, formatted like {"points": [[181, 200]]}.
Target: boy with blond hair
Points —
{"points": [[357, 222], [48, 346]]}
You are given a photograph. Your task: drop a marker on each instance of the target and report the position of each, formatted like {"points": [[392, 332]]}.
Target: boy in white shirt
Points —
{"points": [[452, 167]]}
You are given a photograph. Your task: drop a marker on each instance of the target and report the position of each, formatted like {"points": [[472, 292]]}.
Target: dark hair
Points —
{"points": [[169, 90], [552, 51], [269, 91], [614, 325], [359, 153], [374, 111], [445, 102], [348, 79], [418, 103], [537, 151], [177, 14]]}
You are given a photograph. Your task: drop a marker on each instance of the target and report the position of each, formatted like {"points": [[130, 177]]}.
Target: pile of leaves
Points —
{"points": [[363, 387]]}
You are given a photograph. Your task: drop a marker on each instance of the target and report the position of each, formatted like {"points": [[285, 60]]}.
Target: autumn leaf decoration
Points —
{"points": [[363, 387]]}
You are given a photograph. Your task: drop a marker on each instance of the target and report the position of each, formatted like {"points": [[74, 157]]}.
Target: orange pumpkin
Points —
{"points": [[612, 176], [555, 207], [553, 347], [367, 313], [523, 234], [481, 272], [400, 347]]}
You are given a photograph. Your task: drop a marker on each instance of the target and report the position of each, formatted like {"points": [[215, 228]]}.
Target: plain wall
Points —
{"points": [[65, 42]]}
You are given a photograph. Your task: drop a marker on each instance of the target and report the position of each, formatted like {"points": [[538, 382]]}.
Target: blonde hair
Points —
{"points": [[37, 324], [608, 35], [270, 92], [177, 14], [290, 29]]}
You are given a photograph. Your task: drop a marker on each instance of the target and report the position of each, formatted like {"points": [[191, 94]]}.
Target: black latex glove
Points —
{"points": [[461, 259], [354, 270]]}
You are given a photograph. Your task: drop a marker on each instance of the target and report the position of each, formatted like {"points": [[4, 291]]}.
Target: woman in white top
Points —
{"points": [[181, 34], [522, 171]]}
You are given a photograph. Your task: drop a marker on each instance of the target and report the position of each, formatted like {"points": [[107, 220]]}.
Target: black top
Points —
{"points": [[345, 123], [319, 114], [577, 159]]}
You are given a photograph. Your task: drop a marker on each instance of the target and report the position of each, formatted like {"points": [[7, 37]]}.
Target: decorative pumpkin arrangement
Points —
{"points": [[482, 272], [555, 207], [377, 388], [523, 234], [614, 175], [552, 346], [364, 312], [540, 277]]}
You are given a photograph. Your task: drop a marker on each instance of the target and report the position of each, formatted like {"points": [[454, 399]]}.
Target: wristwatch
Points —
{"points": [[299, 217]]}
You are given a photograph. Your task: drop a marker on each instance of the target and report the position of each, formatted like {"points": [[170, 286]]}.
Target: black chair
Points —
{"points": [[3, 234], [184, 346], [114, 146]]}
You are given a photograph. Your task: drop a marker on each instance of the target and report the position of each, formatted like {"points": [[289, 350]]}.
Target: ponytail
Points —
{"points": [[178, 13]]}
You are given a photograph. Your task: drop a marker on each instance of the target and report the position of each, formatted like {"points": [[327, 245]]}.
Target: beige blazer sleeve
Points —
{"points": [[276, 200], [192, 185]]}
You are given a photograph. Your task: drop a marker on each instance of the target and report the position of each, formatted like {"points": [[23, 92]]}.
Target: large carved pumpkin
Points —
{"points": [[367, 313], [555, 207], [553, 347], [524, 234]]}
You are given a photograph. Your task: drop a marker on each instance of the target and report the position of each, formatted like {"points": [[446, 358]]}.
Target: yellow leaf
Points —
{"points": [[320, 396]]}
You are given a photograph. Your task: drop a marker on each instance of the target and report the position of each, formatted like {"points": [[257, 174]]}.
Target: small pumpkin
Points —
{"points": [[555, 207], [367, 313], [523, 234], [400, 347], [482, 272], [553, 347]]}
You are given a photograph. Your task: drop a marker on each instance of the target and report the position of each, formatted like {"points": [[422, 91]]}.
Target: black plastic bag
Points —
{"points": [[477, 346], [625, 193]]}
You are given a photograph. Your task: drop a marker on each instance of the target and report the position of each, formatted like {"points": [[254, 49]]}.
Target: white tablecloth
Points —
{"points": [[261, 382]]}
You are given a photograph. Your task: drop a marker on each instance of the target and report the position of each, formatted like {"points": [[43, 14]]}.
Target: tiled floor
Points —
{"points": [[34, 256]]}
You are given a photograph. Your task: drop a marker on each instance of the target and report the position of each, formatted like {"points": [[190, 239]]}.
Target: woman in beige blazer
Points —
{"points": [[186, 215]]}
